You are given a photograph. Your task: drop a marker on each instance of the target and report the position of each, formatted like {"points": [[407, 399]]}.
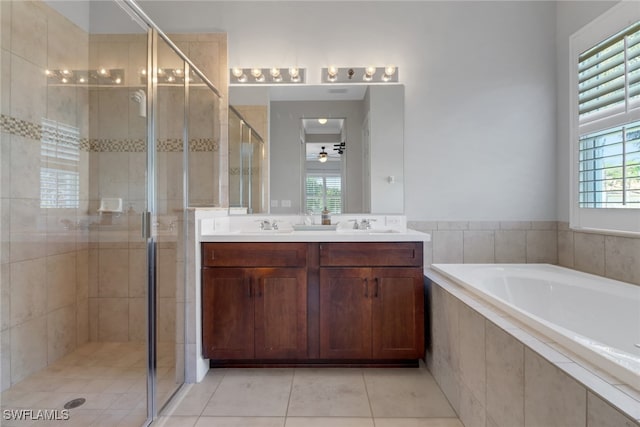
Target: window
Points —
{"points": [[605, 131], [610, 168], [60, 156], [323, 190]]}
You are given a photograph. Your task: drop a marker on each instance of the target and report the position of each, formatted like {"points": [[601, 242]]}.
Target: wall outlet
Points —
{"points": [[274, 203], [285, 203], [394, 222]]}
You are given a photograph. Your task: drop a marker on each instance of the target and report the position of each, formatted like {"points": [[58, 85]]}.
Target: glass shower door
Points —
{"points": [[167, 227]]}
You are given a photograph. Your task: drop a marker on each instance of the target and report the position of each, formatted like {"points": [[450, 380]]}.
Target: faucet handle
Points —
{"points": [[366, 223], [355, 224]]}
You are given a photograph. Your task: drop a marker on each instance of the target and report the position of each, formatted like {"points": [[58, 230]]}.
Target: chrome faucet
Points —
{"points": [[365, 224], [265, 224]]}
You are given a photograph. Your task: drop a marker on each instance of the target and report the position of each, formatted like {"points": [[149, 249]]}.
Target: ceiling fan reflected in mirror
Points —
{"points": [[340, 147], [323, 156]]}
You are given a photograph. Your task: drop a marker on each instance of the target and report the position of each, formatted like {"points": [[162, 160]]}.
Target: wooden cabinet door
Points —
{"points": [[227, 314], [397, 313], [345, 313], [280, 313]]}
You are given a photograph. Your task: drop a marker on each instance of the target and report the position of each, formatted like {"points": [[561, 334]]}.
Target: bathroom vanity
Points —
{"points": [[302, 298]]}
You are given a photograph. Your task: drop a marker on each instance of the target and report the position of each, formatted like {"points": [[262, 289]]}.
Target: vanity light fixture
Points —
{"points": [[370, 74], [166, 75], [323, 156], [274, 75], [100, 76]]}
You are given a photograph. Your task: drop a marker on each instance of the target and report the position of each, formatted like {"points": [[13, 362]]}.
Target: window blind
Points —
{"points": [[609, 76], [609, 168], [324, 190], [60, 157]]}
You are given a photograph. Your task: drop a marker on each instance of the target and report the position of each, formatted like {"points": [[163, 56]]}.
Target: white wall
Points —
{"points": [[480, 124], [387, 126], [571, 16]]}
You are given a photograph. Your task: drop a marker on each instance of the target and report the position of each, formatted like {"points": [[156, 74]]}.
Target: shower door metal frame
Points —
{"points": [[149, 216], [154, 34]]}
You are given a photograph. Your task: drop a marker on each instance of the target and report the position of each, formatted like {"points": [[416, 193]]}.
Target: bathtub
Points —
{"points": [[596, 318]]}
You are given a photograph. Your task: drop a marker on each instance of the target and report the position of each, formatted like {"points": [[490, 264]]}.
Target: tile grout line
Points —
{"points": [[366, 390], [286, 412]]}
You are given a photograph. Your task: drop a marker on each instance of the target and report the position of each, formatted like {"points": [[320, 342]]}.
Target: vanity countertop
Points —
{"points": [[315, 236]]}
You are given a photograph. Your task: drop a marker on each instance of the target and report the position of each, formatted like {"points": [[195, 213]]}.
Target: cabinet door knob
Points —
{"points": [[377, 281], [366, 287]]}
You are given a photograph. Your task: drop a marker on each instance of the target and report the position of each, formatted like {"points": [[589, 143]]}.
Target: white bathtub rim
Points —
{"points": [[604, 385]]}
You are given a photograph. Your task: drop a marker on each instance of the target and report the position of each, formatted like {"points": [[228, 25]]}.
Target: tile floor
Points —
{"points": [[110, 376], [312, 397]]}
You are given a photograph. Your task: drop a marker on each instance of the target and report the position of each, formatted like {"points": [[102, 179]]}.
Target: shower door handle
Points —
{"points": [[146, 225]]}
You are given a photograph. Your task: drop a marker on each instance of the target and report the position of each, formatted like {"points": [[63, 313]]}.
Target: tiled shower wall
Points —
{"points": [[607, 255], [67, 274], [117, 295], [44, 262]]}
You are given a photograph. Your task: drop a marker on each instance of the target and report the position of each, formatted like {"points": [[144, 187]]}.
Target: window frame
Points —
{"points": [[624, 221]]}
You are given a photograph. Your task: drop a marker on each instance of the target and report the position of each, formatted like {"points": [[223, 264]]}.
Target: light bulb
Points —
{"points": [[322, 121], [332, 71], [47, 72], [103, 71], [64, 80], [177, 72], [256, 72], [242, 78], [260, 78], [66, 73], [294, 72], [389, 70], [275, 73], [237, 72], [118, 81], [171, 79], [322, 157], [368, 73]]}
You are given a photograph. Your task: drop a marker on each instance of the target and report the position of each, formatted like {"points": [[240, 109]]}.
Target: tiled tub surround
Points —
{"points": [[489, 241], [479, 242], [616, 257], [497, 372]]}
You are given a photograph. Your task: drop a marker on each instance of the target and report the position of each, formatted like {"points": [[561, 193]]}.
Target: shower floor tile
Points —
{"points": [[110, 376]]}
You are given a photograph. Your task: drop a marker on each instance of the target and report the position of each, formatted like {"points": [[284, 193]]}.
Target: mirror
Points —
{"points": [[325, 147], [372, 162]]}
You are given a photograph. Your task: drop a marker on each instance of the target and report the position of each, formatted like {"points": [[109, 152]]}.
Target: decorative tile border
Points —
{"points": [[245, 171], [20, 127], [35, 131]]}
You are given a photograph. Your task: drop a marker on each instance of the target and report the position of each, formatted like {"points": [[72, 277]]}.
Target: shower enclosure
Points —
{"points": [[246, 160], [104, 124]]}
